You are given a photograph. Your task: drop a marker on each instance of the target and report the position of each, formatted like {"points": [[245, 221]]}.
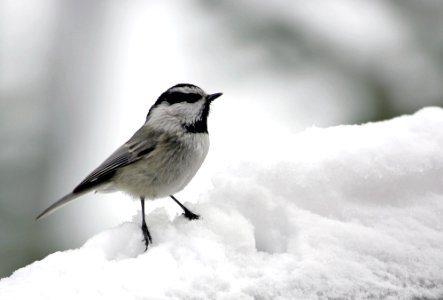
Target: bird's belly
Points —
{"points": [[166, 171]]}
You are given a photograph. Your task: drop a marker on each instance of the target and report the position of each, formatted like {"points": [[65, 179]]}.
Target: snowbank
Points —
{"points": [[350, 212]]}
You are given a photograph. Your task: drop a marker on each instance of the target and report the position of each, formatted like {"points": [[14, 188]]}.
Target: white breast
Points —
{"points": [[167, 170], [199, 142]]}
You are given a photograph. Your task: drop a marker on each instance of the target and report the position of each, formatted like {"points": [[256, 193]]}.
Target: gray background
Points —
{"points": [[78, 77]]}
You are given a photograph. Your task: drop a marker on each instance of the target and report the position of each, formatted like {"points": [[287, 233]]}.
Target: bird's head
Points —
{"points": [[182, 106]]}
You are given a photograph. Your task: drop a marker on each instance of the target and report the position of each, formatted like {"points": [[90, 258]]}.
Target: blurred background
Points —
{"points": [[78, 77]]}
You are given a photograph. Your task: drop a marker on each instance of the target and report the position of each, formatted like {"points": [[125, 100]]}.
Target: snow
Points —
{"points": [[347, 212]]}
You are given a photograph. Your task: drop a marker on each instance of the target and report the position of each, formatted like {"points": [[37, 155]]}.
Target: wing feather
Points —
{"points": [[139, 146]]}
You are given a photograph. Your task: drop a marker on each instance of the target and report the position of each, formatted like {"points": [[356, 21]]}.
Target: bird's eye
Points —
{"points": [[182, 97]]}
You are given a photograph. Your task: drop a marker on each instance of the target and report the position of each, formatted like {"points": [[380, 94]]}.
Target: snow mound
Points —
{"points": [[349, 212]]}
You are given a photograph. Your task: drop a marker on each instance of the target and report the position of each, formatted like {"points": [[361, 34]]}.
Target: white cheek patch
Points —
{"points": [[172, 116], [188, 112]]}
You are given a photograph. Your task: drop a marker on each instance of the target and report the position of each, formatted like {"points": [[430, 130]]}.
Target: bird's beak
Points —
{"points": [[212, 97]]}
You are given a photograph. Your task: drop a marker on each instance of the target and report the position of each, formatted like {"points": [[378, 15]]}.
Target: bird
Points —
{"points": [[161, 158]]}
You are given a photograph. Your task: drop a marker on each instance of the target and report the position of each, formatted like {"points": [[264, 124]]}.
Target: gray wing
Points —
{"points": [[125, 155], [140, 145]]}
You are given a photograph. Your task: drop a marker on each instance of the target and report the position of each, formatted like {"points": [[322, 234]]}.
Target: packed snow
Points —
{"points": [[347, 212]]}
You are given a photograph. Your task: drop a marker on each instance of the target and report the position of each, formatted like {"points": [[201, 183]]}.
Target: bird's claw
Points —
{"points": [[146, 236], [190, 215]]}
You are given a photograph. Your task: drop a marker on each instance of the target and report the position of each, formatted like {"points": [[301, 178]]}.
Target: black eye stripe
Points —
{"points": [[177, 97]]}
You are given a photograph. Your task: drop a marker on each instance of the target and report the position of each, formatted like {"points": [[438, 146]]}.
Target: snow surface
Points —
{"points": [[348, 212]]}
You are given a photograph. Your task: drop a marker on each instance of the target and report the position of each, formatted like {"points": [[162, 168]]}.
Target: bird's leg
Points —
{"points": [[146, 235], [188, 214]]}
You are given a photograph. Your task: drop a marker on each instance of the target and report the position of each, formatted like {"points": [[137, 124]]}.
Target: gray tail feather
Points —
{"points": [[60, 203]]}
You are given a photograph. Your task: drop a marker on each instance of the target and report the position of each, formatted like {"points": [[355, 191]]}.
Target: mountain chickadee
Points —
{"points": [[161, 158]]}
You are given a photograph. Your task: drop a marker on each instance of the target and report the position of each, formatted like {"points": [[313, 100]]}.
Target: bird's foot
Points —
{"points": [[187, 213], [146, 236], [190, 215]]}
